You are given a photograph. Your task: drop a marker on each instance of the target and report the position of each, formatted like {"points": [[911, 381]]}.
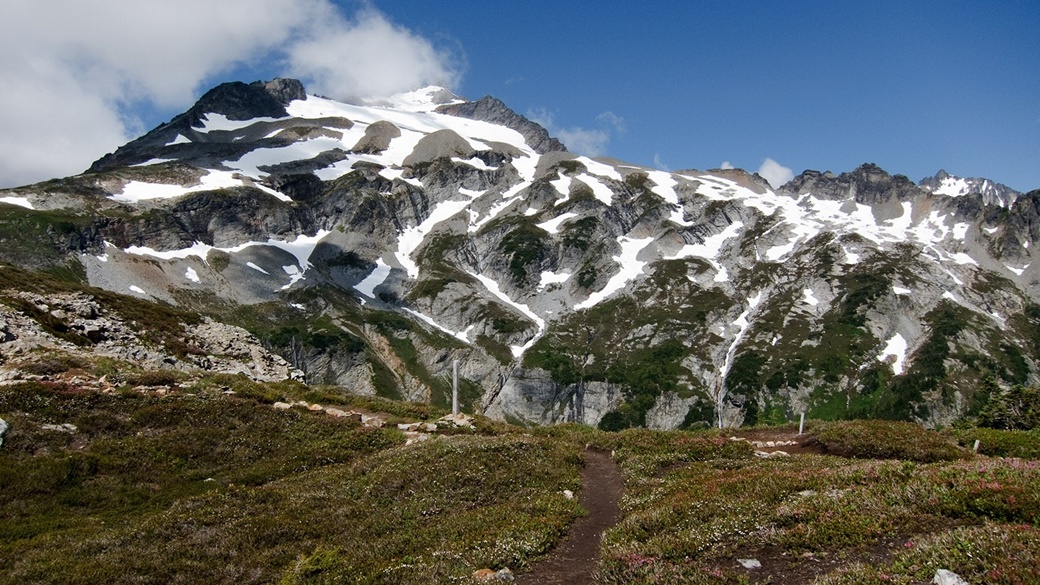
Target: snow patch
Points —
{"points": [[295, 275], [600, 169], [180, 139], [301, 247], [137, 289], [553, 225], [377, 277], [664, 186], [631, 268], [553, 278], [475, 163], [411, 238], [563, 186], [896, 347], [721, 274], [461, 335], [19, 201], [191, 275], [850, 257], [220, 122], [600, 191], [900, 290], [960, 230], [136, 191], [742, 323], [257, 268], [810, 298], [962, 258], [953, 187], [492, 287]]}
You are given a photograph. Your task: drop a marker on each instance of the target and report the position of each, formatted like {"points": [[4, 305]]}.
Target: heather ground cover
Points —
{"points": [[207, 482], [208, 487], [820, 518]]}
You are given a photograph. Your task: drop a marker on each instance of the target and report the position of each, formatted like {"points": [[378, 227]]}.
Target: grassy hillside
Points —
{"points": [[207, 482]]}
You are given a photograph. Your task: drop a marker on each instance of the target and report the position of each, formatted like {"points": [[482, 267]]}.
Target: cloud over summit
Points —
{"points": [[74, 71]]}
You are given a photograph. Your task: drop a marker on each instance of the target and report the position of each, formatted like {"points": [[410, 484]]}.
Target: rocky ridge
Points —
{"points": [[374, 244]]}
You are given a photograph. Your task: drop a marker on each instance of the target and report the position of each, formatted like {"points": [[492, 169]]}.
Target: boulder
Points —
{"points": [[460, 420], [372, 421], [3, 430]]}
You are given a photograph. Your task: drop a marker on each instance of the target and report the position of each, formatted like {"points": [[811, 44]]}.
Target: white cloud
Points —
{"points": [[369, 57], [613, 120], [585, 141], [775, 173], [74, 73], [659, 164], [726, 165]]}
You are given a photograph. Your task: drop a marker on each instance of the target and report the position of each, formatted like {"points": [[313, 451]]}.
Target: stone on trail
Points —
{"points": [[944, 577], [750, 563], [489, 576], [62, 428], [372, 421]]}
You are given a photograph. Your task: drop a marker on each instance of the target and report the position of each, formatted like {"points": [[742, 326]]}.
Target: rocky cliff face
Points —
{"points": [[372, 245]]}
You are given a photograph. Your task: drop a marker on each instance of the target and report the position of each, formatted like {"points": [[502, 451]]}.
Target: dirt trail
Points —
{"points": [[574, 560]]}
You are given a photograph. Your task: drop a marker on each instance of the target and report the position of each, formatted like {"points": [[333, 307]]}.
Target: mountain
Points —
{"points": [[373, 244], [993, 193]]}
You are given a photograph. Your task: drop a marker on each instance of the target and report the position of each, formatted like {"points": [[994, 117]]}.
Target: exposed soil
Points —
{"points": [[574, 560]]}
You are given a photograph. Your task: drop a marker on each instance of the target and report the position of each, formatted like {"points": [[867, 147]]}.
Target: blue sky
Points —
{"points": [[911, 86]]}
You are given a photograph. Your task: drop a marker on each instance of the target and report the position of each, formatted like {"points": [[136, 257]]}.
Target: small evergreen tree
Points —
{"points": [[1017, 408]]}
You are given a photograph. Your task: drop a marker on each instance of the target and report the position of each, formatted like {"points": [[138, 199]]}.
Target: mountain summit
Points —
{"points": [[373, 244], [992, 192]]}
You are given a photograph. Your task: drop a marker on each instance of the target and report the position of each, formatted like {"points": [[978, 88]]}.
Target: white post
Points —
{"points": [[801, 425], [975, 449], [455, 387]]}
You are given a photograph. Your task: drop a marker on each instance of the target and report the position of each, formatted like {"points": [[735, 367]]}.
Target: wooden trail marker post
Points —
{"points": [[455, 387]]}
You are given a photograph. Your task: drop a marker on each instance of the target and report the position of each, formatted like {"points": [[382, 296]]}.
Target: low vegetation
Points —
{"points": [[171, 477], [689, 516], [223, 488]]}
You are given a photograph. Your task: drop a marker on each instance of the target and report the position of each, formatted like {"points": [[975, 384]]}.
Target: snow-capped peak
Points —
{"points": [[426, 99], [944, 183]]}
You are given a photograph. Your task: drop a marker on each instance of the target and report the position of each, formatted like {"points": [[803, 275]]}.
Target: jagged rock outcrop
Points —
{"points": [[492, 110], [79, 325]]}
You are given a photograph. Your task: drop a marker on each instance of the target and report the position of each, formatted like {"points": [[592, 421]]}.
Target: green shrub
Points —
{"points": [[1000, 443], [875, 439]]}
